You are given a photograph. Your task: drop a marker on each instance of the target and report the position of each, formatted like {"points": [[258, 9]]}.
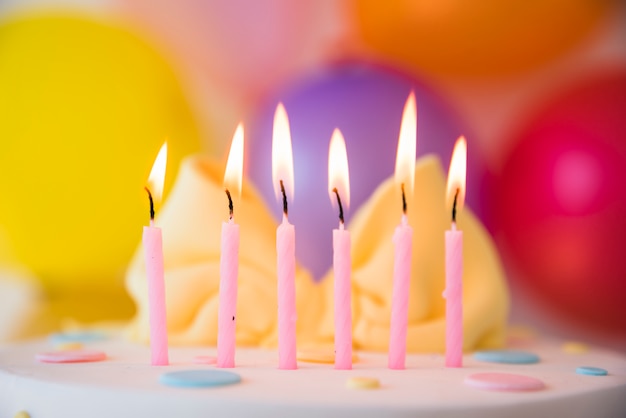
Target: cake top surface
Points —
{"points": [[126, 385]]}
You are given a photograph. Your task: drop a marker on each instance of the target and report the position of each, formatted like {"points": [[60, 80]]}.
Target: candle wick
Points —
{"points": [[230, 204], [340, 207], [456, 195], [403, 199], [151, 204], [282, 189]]}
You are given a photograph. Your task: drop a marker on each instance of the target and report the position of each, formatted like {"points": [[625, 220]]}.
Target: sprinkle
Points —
{"points": [[71, 356], [508, 357], [69, 346], [77, 337], [573, 347], [205, 359], [503, 382], [591, 371], [320, 356], [199, 378], [362, 383]]}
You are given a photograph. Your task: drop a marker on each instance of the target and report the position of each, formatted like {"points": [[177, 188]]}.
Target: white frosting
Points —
{"points": [[127, 386]]}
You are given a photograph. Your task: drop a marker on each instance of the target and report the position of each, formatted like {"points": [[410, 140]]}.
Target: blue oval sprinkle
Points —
{"points": [[199, 378], [505, 356], [591, 371], [77, 337]]}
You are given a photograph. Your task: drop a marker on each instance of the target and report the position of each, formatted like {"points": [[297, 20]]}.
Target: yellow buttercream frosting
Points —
{"points": [[485, 295], [191, 221]]}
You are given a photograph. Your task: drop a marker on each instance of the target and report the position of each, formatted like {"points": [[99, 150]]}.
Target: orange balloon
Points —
{"points": [[475, 38]]}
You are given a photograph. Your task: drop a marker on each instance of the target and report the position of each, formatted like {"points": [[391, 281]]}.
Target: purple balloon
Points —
{"points": [[365, 102]]}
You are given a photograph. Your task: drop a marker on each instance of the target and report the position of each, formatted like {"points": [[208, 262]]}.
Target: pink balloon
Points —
{"points": [[559, 204], [249, 45]]}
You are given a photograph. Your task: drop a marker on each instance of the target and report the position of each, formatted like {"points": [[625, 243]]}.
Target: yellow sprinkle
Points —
{"points": [[21, 414], [316, 356], [362, 383], [320, 356], [573, 347], [69, 346]]}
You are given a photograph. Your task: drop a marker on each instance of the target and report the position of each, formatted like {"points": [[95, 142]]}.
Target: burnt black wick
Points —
{"points": [[403, 199], [456, 195], [230, 204], [340, 207], [282, 189], [151, 204]]}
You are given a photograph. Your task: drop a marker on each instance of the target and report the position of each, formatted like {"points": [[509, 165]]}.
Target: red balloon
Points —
{"points": [[559, 204]]}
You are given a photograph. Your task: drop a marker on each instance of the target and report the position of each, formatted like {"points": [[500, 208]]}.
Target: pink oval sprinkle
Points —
{"points": [[205, 359], [503, 381], [70, 356]]}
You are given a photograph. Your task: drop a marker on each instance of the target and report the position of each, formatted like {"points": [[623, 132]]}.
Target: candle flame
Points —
{"points": [[157, 174], [405, 157], [338, 173], [456, 175], [234, 165], [282, 155]]}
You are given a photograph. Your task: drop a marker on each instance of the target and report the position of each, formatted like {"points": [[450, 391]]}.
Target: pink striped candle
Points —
{"points": [[153, 252], [454, 257], [282, 177], [286, 259], [403, 240], [454, 297], [338, 189], [403, 237], [342, 270], [229, 258], [227, 313]]}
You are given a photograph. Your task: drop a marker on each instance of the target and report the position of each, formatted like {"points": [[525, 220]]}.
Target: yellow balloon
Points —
{"points": [[475, 38], [84, 109]]}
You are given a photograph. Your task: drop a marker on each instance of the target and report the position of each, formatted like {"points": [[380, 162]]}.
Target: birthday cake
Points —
{"points": [[112, 376], [126, 385], [191, 219]]}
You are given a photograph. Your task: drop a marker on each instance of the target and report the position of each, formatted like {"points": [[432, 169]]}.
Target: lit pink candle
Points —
{"points": [[339, 190], [229, 259], [229, 269], [282, 176], [454, 257], [403, 238], [153, 249]]}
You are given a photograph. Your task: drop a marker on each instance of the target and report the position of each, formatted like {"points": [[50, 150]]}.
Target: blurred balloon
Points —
{"points": [[559, 203], [85, 107], [365, 102], [247, 45], [475, 38]]}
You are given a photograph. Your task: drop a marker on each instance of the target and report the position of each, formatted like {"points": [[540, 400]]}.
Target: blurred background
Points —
{"points": [[89, 89]]}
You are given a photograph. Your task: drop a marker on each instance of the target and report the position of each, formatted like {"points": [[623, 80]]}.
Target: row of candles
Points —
{"points": [[339, 192]]}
